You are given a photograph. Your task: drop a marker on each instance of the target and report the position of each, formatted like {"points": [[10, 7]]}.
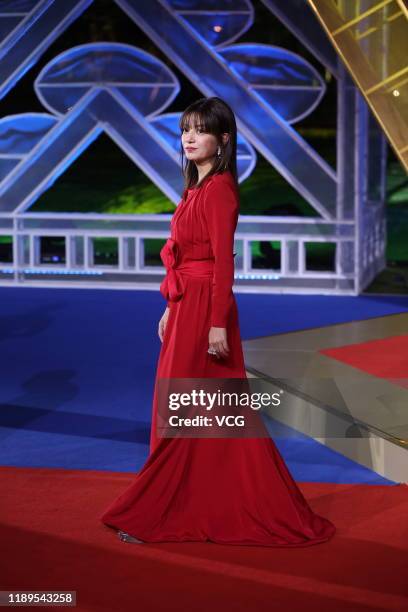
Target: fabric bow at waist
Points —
{"points": [[172, 287]]}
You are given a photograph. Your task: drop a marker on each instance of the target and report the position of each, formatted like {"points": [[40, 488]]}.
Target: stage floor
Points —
{"points": [[343, 382]]}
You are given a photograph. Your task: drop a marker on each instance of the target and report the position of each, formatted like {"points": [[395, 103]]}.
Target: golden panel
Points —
{"points": [[371, 37]]}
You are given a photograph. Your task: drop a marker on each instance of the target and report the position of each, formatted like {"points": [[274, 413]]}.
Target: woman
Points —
{"points": [[223, 490]]}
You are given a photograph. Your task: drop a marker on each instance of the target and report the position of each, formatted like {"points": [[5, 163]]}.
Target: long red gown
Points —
{"points": [[223, 490]]}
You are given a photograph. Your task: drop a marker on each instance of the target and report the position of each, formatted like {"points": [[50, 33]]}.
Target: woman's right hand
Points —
{"points": [[163, 323]]}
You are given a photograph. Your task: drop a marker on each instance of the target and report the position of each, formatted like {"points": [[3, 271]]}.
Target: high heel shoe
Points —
{"points": [[126, 537]]}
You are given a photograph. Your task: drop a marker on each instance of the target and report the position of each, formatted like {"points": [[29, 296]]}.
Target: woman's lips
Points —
{"points": [[191, 148]]}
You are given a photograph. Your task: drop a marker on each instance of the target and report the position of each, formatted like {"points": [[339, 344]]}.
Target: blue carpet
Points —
{"points": [[262, 315], [78, 367]]}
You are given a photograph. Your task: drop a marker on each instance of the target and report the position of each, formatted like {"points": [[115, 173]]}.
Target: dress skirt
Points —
{"points": [[224, 490]]}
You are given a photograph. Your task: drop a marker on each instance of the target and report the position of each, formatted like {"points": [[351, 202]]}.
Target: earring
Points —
{"points": [[219, 151]]}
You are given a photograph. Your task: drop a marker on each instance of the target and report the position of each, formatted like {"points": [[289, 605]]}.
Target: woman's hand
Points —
{"points": [[163, 323], [217, 340]]}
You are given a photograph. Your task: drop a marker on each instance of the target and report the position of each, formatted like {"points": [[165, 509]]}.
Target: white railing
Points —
{"points": [[79, 268]]}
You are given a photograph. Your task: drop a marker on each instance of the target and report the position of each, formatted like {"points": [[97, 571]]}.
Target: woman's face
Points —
{"points": [[199, 146]]}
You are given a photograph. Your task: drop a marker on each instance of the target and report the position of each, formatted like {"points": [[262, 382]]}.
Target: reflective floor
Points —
{"points": [[342, 382]]}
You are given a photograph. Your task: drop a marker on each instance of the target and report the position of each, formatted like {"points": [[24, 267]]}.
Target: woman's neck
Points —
{"points": [[203, 169]]}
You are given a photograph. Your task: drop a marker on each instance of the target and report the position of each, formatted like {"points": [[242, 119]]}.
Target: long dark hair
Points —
{"points": [[216, 117]]}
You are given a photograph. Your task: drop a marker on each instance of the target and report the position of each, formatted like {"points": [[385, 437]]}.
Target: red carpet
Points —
{"points": [[52, 539], [385, 358]]}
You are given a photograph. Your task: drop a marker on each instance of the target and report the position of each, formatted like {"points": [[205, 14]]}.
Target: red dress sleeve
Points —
{"points": [[221, 211]]}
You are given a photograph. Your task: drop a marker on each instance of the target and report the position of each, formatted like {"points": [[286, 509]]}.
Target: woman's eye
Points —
{"points": [[198, 130]]}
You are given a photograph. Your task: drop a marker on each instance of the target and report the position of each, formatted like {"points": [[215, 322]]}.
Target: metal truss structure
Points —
{"points": [[123, 91]]}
